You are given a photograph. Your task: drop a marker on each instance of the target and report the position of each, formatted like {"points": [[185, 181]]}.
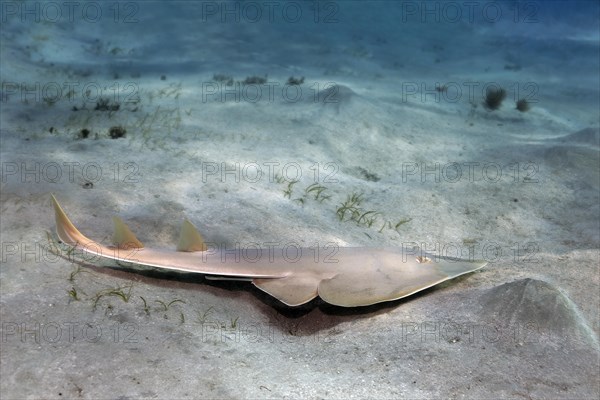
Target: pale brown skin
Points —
{"points": [[343, 276]]}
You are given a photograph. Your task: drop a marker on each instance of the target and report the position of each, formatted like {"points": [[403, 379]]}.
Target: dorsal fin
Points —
{"points": [[123, 238], [189, 238]]}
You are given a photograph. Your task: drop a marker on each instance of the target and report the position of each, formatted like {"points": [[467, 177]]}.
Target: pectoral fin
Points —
{"points": [[377, 285], [292, 290]]}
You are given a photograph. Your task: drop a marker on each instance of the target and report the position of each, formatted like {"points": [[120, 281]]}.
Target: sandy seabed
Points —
{"points": [[159, 113]]}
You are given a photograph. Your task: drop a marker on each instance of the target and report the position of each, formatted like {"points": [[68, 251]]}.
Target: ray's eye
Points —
{"points": [[423, 259]]}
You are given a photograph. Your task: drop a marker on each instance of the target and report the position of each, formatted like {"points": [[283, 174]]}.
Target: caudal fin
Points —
{"points": [[65, 229]]}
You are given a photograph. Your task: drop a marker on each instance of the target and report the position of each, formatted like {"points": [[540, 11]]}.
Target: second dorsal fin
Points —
{"points": [[123, 238], [189, 238]]}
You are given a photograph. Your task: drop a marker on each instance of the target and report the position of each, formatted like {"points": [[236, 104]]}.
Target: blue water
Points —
{"points": [[389, 87]]}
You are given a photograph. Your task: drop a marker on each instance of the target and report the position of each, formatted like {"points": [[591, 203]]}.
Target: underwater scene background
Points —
{"points": [[469, 129]]}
